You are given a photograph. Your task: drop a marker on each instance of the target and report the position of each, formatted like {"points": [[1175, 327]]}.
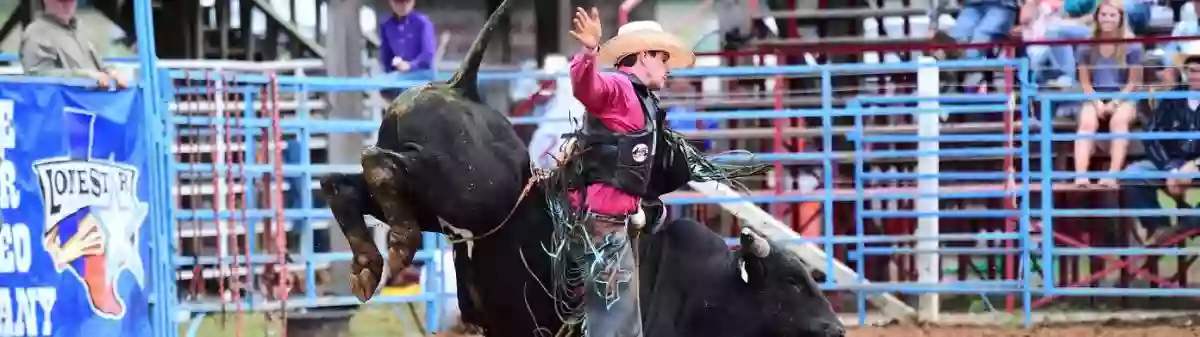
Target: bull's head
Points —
{"points": [[786, 290], [442, 154]]}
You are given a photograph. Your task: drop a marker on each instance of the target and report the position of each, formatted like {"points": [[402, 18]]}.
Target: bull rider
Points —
{"points": [[627, 157]]}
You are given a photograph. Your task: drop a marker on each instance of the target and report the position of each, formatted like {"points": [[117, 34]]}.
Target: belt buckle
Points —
{"points": [[609, 218]]}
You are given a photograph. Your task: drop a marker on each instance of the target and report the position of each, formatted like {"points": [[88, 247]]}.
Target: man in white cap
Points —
{"points": [[625, 158]]}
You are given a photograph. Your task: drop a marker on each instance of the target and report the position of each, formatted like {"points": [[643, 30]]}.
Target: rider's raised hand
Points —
{"points": [[587, 28]]}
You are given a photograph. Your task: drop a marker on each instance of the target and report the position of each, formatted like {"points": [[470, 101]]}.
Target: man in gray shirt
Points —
{"points": [[51, 46]]}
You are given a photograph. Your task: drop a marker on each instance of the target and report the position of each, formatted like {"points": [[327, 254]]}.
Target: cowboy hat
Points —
{"points": [[640, 36], [1188, 50]]}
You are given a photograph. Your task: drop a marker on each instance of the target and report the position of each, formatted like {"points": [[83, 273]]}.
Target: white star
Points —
{"points": [[121, 227]]}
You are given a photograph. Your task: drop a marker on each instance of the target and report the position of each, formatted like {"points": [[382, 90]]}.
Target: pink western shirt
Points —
{"points": [[610, 97]]}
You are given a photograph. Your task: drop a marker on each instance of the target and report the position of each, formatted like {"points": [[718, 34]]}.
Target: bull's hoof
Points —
{"points": [[382, 170], [348, 199], [365, 274]]}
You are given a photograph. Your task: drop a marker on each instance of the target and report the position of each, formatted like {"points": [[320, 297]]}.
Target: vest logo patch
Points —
{"points": [[640, 153]]}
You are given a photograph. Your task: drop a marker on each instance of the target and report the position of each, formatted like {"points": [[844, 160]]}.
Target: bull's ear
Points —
{"points": [[754, 249]]}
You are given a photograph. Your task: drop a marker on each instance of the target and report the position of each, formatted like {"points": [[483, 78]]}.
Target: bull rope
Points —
{"points": [[538, 174], [569, 269]]}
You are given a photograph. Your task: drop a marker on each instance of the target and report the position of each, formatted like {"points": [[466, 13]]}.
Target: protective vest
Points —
{"points": [[640, 163]]}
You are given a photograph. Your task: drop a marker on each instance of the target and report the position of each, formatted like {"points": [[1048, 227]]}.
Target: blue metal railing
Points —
{"points": [[858, 108], [304, 210]]}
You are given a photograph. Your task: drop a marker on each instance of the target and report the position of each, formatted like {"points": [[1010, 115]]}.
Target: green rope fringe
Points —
{"points": [[570, 243]]}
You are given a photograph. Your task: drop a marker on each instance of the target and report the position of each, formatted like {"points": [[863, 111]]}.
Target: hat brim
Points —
{"points": [[1182, 59], [635, 42]]}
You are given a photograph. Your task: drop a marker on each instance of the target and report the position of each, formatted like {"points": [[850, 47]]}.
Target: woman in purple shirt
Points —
{"points": [[1107, 68], [406, 41]]}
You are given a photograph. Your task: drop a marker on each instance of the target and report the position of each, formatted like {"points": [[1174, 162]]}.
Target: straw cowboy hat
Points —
{"points": [[640, 36], [1187, 51]]}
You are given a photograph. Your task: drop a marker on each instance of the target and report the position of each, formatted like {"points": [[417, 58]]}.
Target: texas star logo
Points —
{"points": [[92, 216]]}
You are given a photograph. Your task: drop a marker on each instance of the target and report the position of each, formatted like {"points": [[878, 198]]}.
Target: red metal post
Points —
{"points": [[1010, 201], [276, 140]]}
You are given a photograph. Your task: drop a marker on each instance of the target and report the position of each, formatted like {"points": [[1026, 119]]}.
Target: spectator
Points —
{"points": [[684, 89], [52, 46], [1048, 20], [1138, 13], [1177, 155], [738, 20], [982, 21], [407, 43], [1172, 48], [1106, 68]]}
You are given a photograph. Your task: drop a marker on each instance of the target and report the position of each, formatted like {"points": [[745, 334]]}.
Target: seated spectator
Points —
{"points": [[407, 43], [982, 21], [1106, 68], [1172, 48], [53, 46], [1138, 13], [1048, 20], [1173, 155], [683, 88]]}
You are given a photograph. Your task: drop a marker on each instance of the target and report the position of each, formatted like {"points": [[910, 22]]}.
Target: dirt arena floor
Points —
{"points": [[1065, 331]]}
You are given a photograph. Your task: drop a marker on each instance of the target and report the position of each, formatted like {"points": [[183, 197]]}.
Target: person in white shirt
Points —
{"points": [[1171, 49], [1043, 20]]}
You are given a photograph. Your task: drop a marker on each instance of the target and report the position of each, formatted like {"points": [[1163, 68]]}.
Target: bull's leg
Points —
{"points": [[382, 170], [350, 201]]}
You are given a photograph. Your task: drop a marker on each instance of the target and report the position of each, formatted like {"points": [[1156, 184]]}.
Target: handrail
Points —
{"points": [[813, 47], [78, 82], [356, 83], [797, 47]]}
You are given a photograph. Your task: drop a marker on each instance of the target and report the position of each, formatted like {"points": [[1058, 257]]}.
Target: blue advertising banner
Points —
{"points": [[74, 250]]}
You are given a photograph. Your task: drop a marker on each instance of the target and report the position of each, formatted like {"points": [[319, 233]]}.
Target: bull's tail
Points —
{"points": [[467, 77]]}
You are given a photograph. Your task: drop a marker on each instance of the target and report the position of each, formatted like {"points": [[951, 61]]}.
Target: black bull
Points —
{"points": [[446, 163]]}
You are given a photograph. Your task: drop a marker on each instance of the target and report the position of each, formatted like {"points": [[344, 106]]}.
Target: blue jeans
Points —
{"points": [[1137, 14], [982, 23], [612, 304], [1139, 193], [1060, 57]]}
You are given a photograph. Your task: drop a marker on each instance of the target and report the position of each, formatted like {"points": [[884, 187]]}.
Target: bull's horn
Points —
{"points": [[756, 245], [467, 77]]}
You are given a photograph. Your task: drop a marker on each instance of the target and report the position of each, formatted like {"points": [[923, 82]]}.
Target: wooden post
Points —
{"points": [[344, 46], [566, 12], [245, 20], [549, 31]]}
